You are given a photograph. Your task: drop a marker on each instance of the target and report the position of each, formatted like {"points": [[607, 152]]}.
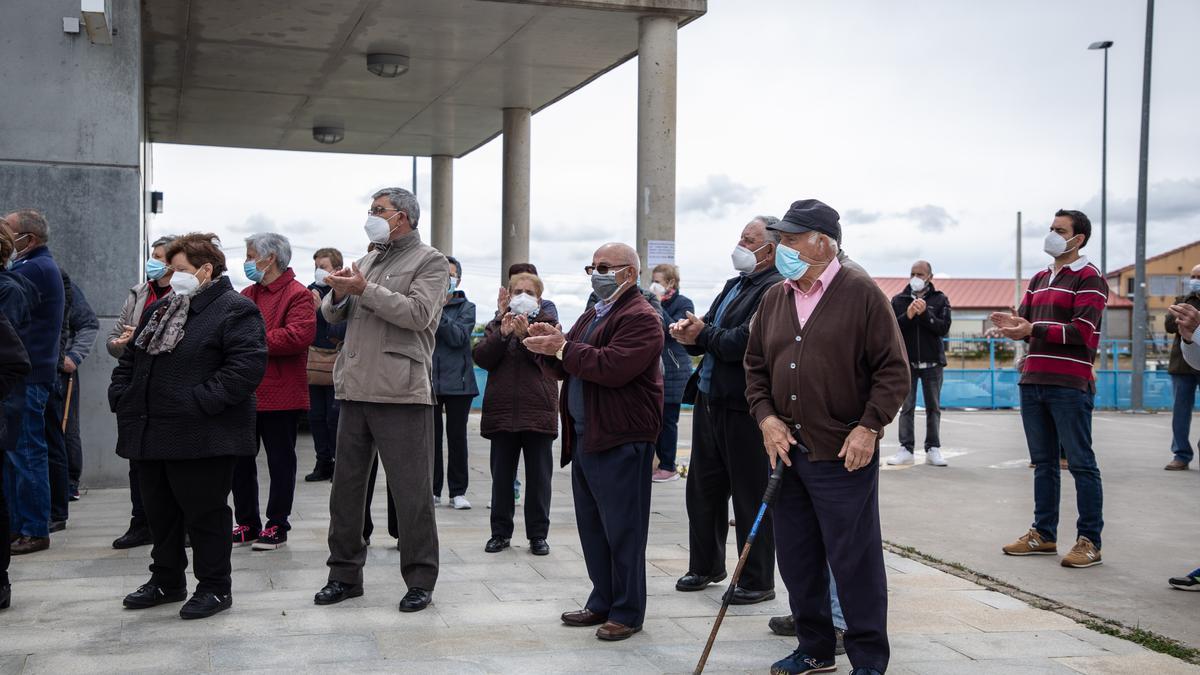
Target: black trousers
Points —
{"points": [[368, 522], [74, 441], [824, 512], [728, 460], [5, 533], [277, 434], [457, 410], [56, 449], [612, 512], [539, 471], [189, 497], [323, 411], [137, 513]]}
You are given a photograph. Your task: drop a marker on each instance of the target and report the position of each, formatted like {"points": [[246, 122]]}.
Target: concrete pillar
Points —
{"points": [[657, 58], [72, 146], [442, 196], [514, 238]]}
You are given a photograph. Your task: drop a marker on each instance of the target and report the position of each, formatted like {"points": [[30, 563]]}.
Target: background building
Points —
{"points": [[1166, 276]]}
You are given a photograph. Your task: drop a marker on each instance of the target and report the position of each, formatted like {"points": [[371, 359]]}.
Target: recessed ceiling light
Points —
{"points": [[328, 135], [387, 65]]}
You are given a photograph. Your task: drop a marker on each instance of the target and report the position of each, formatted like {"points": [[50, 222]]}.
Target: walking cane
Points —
{"points": [[768, 497], [67, 408]]}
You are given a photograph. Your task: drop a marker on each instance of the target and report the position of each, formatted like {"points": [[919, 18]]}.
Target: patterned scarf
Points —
{"points": [[164, 329]]}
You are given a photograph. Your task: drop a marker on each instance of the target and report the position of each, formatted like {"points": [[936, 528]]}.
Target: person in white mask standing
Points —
{"points": [[728, 459], [322, 404], [924, 316], [392, 299]]}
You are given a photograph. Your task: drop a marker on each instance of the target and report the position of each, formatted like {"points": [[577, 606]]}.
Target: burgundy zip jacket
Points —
{"points": [[621, 369]]}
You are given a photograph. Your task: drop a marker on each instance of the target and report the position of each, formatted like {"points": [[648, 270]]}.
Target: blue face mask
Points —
{"points": [[155, 269], [788, 262], [1194, 285], [250, 267], [453, 285]]}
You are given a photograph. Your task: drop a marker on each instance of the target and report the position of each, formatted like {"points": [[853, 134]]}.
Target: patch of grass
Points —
{"points": [[1152, 641]]}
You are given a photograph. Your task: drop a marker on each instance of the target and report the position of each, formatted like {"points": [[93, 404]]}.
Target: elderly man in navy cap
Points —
{"points": [[826, 371]]}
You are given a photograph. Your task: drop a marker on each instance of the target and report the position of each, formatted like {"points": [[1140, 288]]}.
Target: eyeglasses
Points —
{"points": [[603, 268], [376, 210]]}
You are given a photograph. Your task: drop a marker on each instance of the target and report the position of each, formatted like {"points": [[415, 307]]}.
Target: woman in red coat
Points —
{"points": [[290, 316]]}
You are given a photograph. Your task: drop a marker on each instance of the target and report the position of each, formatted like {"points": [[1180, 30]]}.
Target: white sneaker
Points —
{"points": [[460, 502], [437, 501], [934, 456], [902, 456]]}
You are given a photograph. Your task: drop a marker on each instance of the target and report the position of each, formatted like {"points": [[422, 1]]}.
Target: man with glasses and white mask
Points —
{"points": [[392, 299], [728, 459], [923, 313]]}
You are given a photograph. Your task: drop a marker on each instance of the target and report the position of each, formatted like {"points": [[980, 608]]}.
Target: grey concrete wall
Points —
{"points": [[71, 146]]}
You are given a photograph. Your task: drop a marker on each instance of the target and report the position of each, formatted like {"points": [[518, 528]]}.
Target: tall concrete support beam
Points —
{"points": [[442, 194], [657, 59], [72, 145], [514, 239]]}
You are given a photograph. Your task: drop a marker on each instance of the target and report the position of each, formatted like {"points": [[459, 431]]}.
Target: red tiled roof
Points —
{"points": [[978, 294]]}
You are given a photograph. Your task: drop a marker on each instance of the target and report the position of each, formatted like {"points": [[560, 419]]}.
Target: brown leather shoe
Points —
{"points": [[1176, 465], [29, 545], [583, 617], [613, 631]]}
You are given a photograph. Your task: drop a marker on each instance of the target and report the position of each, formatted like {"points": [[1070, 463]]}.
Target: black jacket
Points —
{"points": [[453, 370], [14, 362], [924, 333], [725, 345], [196, 401]]}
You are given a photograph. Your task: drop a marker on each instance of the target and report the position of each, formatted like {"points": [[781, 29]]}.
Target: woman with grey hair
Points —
{"points": [[156, 287], [290, 315]]}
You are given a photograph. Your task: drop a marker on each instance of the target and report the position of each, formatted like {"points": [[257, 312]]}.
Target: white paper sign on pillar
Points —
{"points": [[660, 251]]}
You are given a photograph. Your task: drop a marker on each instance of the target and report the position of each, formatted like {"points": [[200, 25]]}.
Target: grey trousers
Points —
{"points": [[403, 435]]}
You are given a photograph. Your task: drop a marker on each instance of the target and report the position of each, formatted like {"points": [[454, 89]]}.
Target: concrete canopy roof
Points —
{"points": [[261, 75]]}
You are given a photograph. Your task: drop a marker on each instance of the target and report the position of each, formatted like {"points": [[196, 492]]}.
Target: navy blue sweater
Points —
{"points": [[45, 326]]}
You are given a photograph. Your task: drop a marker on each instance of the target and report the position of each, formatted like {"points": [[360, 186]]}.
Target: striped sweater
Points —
{"points": [[1065, 312]]}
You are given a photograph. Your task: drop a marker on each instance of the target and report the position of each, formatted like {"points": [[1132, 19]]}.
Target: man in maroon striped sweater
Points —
{"points": [[1060, 319]]}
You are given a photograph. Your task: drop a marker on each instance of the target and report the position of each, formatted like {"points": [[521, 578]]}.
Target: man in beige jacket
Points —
{"points": [[392, 299]]}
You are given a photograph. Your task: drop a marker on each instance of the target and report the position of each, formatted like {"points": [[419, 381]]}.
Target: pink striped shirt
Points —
{"points": [[807, 302]]}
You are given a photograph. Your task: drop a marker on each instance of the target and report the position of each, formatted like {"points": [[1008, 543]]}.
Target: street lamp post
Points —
{"points": [[1104, 46], [1139, 252]]}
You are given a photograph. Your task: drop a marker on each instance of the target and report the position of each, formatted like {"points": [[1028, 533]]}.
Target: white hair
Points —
{"points": [[813, 237], [270, 243]]}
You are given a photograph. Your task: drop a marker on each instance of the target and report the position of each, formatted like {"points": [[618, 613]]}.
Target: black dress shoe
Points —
{"points": [[204, 604], [58, 525], [5, 596], [133, 537], [415, 600], [497, 544], [783, 625], [539, 546], [696, 582], [153, 595], [322, 472], [742, 596], [583, 617], [336, 591]]}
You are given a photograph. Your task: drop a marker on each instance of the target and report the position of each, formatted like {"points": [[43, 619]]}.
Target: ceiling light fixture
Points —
{"points": [[328, 135], [387, 65]]}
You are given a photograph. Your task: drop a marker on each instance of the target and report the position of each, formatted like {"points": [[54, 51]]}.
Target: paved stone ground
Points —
{"points": [[491, 613]]}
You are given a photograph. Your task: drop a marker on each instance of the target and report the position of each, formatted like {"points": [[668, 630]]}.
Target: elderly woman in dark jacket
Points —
{"points": [[455, 389], [183, 393], [677, 367], [520, 413]]}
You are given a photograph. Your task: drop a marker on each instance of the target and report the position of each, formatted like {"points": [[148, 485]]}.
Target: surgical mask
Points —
{"points": [[19, 253], [453, 285], [319, 277], [1193, 286], [378, 230], [605, 285], [1054, 245], [184, 283], [789, 263], [658, 289], [745, 260], [155, 269], [917, 284], [250, 267], [524, 304]]}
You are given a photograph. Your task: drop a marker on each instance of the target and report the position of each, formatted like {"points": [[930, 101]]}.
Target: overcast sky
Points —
{"points": [[928, 124]]}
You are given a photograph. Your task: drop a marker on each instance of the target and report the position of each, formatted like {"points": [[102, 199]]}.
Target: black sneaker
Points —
{"points": [[322, 472], [1190, 582], [497, 544], [274, 537], [204, 604], [152, 595], [133, 537], [539, 546], [244, 535], [73, 494]]}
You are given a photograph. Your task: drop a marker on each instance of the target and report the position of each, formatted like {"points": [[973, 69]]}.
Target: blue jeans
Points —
{"points": [[1054, 417], [668, 438], [27, 471], [1181, 418]]}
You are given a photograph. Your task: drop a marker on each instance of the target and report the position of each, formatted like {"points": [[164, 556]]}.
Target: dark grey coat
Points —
{"points": [[453, 369], [198, 400]]}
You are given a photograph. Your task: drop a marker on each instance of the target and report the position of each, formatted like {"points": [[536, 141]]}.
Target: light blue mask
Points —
{"points": [[155, 269], [1194, 285], [789, 263], [250, 267], [453, 285]]}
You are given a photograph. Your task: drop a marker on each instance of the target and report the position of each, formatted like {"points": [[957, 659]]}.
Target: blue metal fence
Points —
{"points": [[995, 387]]}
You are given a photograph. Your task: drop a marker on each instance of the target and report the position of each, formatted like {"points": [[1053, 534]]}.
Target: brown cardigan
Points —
{"points": [[846, 367]]}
